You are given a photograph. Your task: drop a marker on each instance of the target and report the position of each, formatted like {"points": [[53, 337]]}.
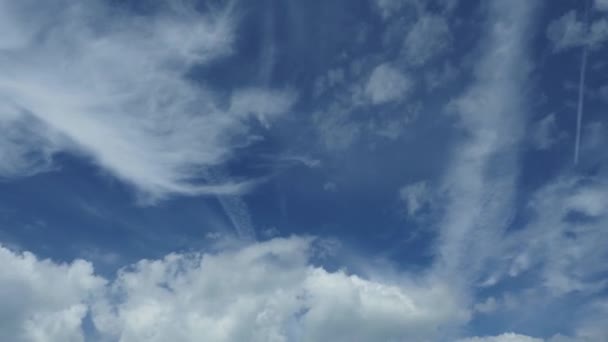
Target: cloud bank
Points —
{"points": [[263, 292]]}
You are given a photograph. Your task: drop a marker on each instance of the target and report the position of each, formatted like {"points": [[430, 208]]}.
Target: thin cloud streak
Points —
{"points": [[581, 89]]}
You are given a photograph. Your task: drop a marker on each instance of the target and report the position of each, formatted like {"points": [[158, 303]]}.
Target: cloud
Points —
{"points": [[386, 84], [568, 31], [487, 306], [261, 292], [337, 131], [508, 337], [350, 114], [428, 38], [565, 237], [601, 5], [554, 262], [545, 133], [481, 177], [389, 7], [42, 300], [415, 196], [114, 88], [279, 297], [603, 93]]}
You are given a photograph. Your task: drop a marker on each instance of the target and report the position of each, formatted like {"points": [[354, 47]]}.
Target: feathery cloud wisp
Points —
{"points": [[119, 94]]}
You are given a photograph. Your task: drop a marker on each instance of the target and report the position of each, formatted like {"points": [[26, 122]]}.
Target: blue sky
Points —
{"points": [[286, 170]]}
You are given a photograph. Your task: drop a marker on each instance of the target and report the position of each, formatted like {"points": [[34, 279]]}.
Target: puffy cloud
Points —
{"points": [[508, 337], [429, 37], [118, 93], [348, 115], [43, 301], [386, 84], [266, 291]]}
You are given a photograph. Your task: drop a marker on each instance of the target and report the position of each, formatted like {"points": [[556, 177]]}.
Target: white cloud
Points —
{"points": [[415, 196], [568, 251], [545, 133], [118, 93], [386, 84], [336, 129], [265, 292], [508, 337], [43, 301], [338, 124], [429, 37], [265, 105], [480, 179], [487, 306], [566, 31], [569, 31], [601, 5], [262, 292]]}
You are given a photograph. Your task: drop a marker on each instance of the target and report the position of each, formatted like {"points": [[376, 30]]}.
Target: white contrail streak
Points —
{"points": [[581, 91]]}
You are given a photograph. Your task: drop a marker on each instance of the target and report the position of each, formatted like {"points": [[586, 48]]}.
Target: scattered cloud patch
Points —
{"points": [[570, 31], [428, 38], [415, 196], [386, 84], [507, 337], [545, 133]]}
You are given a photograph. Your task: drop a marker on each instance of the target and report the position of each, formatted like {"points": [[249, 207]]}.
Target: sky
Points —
{"points": [[304, 170]]}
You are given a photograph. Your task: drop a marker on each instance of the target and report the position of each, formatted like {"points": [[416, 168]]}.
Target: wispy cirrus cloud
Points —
{"points": [[120, 94], [480, 179]]}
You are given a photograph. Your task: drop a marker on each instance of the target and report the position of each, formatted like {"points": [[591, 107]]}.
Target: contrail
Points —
{"points": [[234, 207], [581, 89]]}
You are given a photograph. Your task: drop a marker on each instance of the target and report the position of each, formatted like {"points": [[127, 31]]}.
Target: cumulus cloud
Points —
{"points": [[265, 292], [386, 84], [118, 93], [347, 117], [262, 292], [41, 300], [429, 37], [508, 337]]}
